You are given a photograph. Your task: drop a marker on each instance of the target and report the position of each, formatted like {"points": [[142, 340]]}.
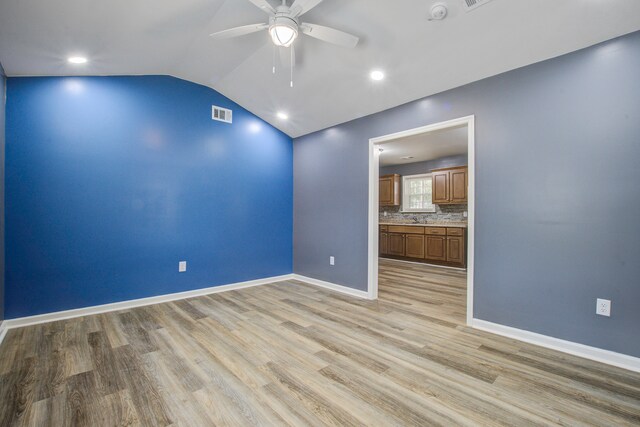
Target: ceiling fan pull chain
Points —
{"points": [[291, 53], [274, 59]]}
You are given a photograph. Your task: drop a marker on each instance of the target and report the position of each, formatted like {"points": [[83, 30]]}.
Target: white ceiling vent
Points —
{"points": [[472, 4], [221, 114]]}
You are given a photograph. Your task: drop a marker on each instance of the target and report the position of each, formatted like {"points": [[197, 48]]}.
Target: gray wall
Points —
{"points": [[3, 87], [557, 193], [425, 167]]}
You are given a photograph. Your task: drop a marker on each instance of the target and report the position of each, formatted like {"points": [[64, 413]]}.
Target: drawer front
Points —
{"points": [[435, 231], [455, 231], [384, 227], [405, 229]]}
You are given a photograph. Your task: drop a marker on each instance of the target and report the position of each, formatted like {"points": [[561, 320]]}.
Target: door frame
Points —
{"points": [[374, 175]]}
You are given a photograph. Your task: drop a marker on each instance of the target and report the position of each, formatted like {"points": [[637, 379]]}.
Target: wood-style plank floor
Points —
{"points": [[292, 354]]}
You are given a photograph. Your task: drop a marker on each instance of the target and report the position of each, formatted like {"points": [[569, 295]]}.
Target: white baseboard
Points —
{"points": [[332, 286], [3, 331], [124, 305], [593, 353]]}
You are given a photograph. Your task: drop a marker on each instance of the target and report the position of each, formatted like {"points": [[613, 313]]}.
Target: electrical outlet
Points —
{"points": [[332, 260], [182, 266], [603, 307], [465, 214], [384, 213]]}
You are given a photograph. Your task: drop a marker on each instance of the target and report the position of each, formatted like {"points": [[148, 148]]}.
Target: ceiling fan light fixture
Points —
{"points": [[283, 31]]}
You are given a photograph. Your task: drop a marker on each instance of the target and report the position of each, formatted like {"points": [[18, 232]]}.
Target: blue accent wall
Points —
{"points": [[111, 181], [557, 193], [3, 86]]}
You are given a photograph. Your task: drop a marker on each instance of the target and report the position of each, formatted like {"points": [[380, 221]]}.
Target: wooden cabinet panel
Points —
{"points": [[396, 244], [383, 243], [455, 250], [436, 231], [458, 184], [440, 190], [455, 231], [414, 246], [450, 186], [406, 229], [389, 190], [436, 248]]}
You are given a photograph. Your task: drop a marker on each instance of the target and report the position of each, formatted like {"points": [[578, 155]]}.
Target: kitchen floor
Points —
{"points": [[442, 290]]}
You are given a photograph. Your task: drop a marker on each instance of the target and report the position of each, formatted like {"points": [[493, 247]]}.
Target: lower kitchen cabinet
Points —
{"points": [[455, 249], [440, 245], [436, 248], [396, 244], [383, 243], [414, 246]]}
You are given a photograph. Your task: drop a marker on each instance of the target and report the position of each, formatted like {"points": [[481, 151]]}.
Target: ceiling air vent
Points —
{"points": [[221, 114], [472, 4]]}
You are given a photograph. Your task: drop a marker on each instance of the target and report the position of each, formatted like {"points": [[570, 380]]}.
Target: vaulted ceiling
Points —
{"points": [[332, 85]]}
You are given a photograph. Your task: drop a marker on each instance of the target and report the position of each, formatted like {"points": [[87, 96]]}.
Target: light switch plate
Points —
{"points": [[332, 260], [182, 266], [603, 307]]}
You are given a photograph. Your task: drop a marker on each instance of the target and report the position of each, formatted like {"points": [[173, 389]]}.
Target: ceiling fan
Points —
{"points": [[284, 25]]}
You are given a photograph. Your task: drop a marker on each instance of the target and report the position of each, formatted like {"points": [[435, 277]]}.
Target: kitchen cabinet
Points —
{"points": [[414, 246], [436, 248], [383, 242], [396, 244], [450, 186], [389, 190], [439, 245]]}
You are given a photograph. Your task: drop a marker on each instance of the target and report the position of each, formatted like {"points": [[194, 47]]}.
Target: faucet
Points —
{"points": [[415, 219]]}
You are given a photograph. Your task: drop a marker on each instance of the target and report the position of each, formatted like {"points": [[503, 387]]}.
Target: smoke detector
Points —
{"points": [[438, 12]]}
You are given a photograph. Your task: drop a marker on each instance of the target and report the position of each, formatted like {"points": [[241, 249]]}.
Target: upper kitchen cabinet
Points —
{"points": [[390, 190], [450, 185]]}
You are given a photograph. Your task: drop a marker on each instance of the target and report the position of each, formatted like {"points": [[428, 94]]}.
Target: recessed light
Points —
{"points": [[282, 115], [77, 59], [377, 75]]}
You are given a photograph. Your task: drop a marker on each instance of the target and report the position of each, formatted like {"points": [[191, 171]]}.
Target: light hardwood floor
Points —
{"points": [[292, 354]]}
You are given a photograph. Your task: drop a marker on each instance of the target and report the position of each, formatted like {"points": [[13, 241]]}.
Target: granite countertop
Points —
{"points": [[429, 224]]}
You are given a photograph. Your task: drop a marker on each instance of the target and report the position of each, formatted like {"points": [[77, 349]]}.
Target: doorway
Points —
{"points": [[375, 146]]}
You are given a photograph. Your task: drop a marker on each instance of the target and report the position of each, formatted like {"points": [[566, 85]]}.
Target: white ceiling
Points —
{"points": [[427, 146], [420, 58]]}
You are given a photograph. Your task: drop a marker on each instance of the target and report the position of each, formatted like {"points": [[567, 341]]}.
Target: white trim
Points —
{"points": [[332, 286], [374, 175], [124, 305], [3, 331], [592, 353]]}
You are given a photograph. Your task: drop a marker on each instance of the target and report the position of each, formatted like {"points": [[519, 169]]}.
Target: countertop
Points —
{"points": [[429, 224]]}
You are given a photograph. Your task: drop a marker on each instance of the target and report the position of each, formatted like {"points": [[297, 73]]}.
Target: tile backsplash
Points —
{"points": [[443, 213]]}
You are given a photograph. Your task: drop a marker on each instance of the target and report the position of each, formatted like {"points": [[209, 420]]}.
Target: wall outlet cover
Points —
{"points": [[603, 307], [182, 266]]}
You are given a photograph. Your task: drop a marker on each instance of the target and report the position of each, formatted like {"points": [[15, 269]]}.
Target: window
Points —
{"points": [[416, 193]]}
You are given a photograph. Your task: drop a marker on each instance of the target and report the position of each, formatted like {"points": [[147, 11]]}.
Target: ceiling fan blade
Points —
{"points": [[264, 5], [239, 31], [303, 6], [330, 35]]}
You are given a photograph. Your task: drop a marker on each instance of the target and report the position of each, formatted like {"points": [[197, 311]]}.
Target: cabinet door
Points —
{"points": [[383, 243], [458, 186], [414, 246], [455, 250], [440, 183], [436, 248], [386, 191], [396, 244]]}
